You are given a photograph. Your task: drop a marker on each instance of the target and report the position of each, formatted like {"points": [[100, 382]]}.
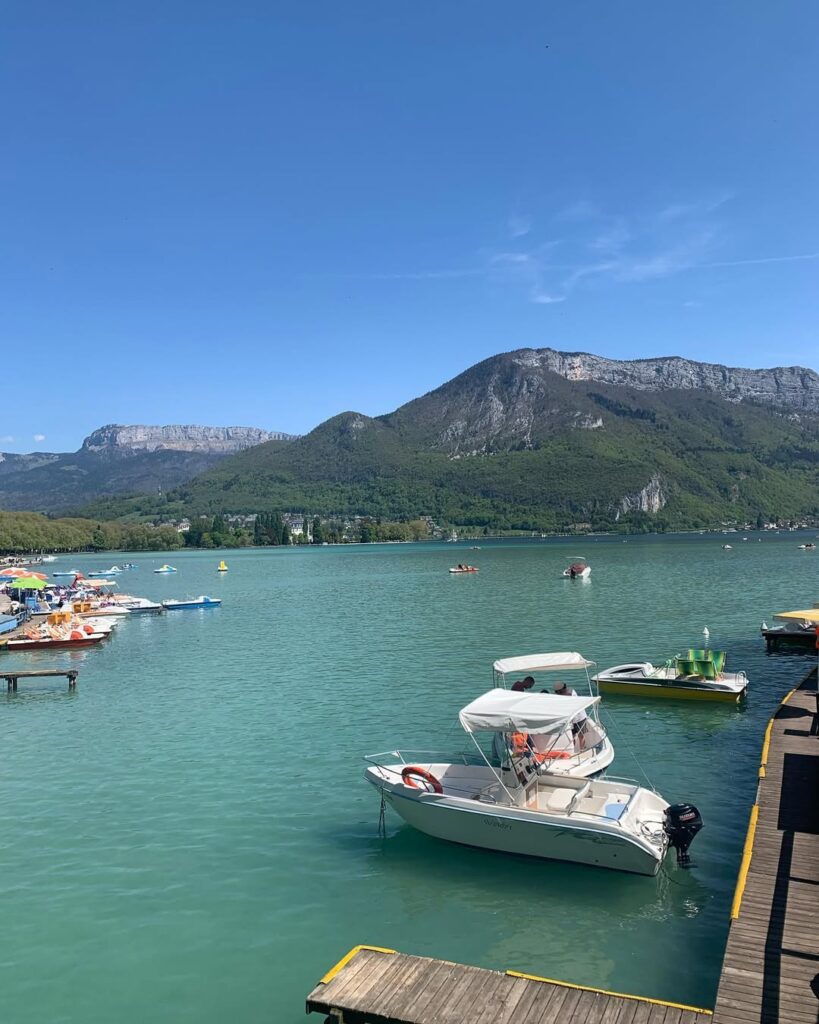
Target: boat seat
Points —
{"points": [[614, 811], [560, 799]]}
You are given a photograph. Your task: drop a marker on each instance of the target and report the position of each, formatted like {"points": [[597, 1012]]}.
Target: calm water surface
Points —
{"points": [[189, 838]]}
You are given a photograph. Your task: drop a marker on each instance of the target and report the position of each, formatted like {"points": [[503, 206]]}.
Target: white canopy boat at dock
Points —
{"points": [[581, 748], [514, 809]]}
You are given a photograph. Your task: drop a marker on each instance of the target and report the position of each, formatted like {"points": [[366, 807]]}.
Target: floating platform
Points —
{"points": [[12, 677], [371, 985], [771, 968]]}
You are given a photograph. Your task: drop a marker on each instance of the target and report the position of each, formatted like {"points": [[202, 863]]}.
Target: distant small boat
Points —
{"points": [[223, 566], [203, 601], [726, 547], [165, 568], [464, 568], [71, 572], [578, 570], [103, 573], [807, 547]]}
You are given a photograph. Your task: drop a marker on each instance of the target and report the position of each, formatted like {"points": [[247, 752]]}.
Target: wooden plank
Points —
{"points": [[417, 988], [453, 995], [531, 1008]]}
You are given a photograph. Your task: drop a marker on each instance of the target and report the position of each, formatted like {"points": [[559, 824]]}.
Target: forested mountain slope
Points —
{"points": [[514, 443]]}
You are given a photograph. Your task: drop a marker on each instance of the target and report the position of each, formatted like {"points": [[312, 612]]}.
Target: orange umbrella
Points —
{"points": [[13, 572]]}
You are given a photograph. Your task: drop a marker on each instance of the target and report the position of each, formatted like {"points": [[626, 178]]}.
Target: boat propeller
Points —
{"points": [[682, 823]]}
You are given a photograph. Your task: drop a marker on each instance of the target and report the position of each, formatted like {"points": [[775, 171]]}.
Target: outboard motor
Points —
{"points": [[682, 823]]}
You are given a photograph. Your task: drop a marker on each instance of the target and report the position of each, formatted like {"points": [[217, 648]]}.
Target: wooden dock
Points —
{"points": [[371, 985], [771, 968], [12, 677]]}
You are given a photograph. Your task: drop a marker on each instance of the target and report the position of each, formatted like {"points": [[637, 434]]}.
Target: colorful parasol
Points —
{"points": [[29, 583], [14, 571]]}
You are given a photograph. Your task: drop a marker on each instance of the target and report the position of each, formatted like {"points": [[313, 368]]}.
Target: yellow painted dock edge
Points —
{"points": [[528, 977], [606, 992], [748, 849], [763, 761], [745, 864], [347, 958]]}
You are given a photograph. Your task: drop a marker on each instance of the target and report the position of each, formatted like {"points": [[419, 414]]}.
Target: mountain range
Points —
{"points": [[119, 459], [542, 439]]}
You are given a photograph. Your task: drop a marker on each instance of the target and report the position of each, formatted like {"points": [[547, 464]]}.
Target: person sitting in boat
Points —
{"points": [[578, 723], [521, 685]]}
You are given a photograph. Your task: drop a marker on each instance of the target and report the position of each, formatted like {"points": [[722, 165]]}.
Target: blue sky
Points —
{"points": [[267, 213]]}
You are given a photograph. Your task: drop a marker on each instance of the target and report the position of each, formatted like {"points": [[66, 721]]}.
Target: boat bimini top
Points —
{"points": [[558, 661], [810, 616], [505, 711]]}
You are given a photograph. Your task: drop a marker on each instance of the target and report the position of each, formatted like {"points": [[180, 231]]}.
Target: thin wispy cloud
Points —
{"points": [[519, 225], [417, 275], [698, 208], [39, 437], [798, 258], [6, 439], [582, 209], [596, 248]]}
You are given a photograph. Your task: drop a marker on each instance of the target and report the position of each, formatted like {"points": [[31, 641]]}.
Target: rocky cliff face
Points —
{"points": [[209, 440], [520, 399], [119, 460], [793, 387], [650, 498]]}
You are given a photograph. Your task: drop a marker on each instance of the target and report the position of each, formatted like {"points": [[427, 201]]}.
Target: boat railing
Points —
{"points": [[406, 757]]}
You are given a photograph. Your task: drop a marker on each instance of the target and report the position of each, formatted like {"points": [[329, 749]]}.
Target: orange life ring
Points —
{"points": [[412, 771]]}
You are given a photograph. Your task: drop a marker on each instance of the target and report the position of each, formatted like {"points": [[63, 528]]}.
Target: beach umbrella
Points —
{"points": [[29, 583], [15, 571]]}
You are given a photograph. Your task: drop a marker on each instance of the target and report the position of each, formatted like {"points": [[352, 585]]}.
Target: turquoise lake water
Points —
{"points": [[188, 837]]}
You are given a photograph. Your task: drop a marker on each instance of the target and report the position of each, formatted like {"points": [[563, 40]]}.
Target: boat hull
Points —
{"points": [[183, 606], [514, 830], [50, 644], [638, 689]]}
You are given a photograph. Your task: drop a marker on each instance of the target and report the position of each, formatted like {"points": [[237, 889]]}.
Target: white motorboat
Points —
{"points": [[106, 608], [582, 748], [137, 605], [203, 601], [679, 678], [578, 570], [514, 809]]}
